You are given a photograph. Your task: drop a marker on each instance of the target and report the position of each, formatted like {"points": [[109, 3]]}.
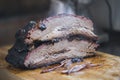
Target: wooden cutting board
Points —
{"points": [[108, 70]]}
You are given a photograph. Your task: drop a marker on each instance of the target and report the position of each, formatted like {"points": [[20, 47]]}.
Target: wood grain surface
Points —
{"points": [[108, 70]]}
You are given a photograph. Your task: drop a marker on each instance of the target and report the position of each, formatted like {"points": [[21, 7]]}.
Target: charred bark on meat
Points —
{"points": [[16, 55]]}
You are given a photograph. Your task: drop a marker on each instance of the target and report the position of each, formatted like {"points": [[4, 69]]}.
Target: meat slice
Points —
{"points": [[54, 53], [52, 40], [61, 26]]}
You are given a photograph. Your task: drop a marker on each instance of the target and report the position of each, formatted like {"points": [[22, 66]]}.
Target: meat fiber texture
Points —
{"points": [[52, 40]]}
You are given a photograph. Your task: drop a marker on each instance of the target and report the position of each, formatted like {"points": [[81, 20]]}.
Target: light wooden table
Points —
{"points": [[109, 70]]}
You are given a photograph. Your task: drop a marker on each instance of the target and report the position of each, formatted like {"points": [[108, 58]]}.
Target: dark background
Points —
{"points": [[14, 14]]}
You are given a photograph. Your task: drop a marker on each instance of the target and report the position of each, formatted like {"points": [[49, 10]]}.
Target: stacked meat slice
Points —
{"points": [[53, 40]]}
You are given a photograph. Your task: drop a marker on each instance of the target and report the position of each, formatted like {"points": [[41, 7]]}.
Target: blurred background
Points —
{"points": [[14, 14]]}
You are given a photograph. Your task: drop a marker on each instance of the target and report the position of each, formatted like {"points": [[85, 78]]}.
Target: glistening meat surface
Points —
{"points": [[52, 40]]}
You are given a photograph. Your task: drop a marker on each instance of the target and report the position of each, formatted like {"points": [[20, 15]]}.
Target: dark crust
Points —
{"points": [[16, 55]]}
